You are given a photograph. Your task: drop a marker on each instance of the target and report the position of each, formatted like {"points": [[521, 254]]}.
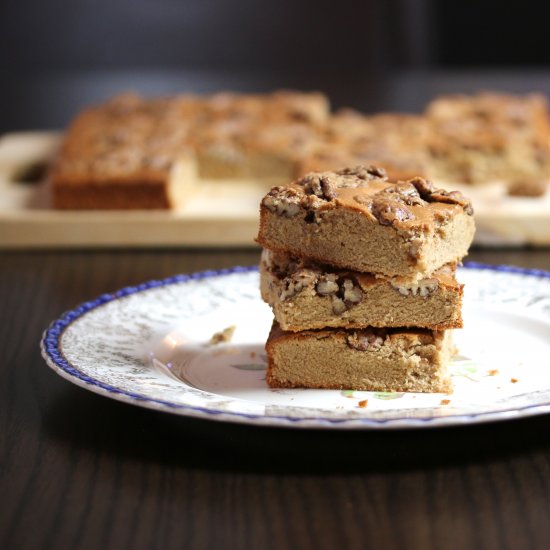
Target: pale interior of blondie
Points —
{"points": [[403, 361]]}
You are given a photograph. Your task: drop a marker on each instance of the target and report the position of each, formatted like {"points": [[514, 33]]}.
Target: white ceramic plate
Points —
{"points": [[149, 345]]}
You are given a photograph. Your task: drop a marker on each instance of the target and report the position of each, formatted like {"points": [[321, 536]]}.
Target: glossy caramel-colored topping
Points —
{"points": [[405, 205]]}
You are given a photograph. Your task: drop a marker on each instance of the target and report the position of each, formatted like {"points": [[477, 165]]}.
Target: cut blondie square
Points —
{"points": [[355, 219], [400, 360], [489, 137], [258, 136], [307, 295], [128, 153]]}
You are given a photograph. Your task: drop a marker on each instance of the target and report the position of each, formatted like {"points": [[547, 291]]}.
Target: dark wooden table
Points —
{"points": [[81, 471]]}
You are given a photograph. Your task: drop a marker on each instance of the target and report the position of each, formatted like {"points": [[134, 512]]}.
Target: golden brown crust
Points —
{"points": [[139, 195]]}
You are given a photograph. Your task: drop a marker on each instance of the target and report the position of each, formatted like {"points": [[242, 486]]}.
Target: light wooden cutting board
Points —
{"points": [[219, 213]]}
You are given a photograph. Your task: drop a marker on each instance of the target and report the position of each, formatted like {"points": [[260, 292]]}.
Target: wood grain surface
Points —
{"points": [[78, 470]]}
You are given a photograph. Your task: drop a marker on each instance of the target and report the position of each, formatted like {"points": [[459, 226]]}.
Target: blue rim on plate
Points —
{"points": [[51, 352]]}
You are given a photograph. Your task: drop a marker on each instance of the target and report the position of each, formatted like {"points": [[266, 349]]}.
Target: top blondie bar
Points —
{"points": [[355, 219]]}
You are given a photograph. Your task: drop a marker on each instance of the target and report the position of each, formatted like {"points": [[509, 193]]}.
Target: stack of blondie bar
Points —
{"points": [[360, 274]]}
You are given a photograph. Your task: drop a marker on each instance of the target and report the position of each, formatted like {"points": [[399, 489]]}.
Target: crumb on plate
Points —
{"points": [[222, 336]]}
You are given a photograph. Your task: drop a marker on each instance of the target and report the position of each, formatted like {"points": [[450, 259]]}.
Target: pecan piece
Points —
{"points": [[319, 185], [283, 201], [405, 193], [352, 292], [328, 188], [338, 305], [453, 197], [424, 187], [422, 288], [311, 202], [389, 212], [366, 340], [364, 200], [345, 292], [429, 193], [327, 285], [527, 188], [364, 172], [297, 282]]}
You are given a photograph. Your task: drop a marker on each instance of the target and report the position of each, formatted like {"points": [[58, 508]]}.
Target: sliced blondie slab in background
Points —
{"points": [[307, 295]]}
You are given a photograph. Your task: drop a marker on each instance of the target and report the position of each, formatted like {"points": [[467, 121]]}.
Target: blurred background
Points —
{"points": [[59, 55]]}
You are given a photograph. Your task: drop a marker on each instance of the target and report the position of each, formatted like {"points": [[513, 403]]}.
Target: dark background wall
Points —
{"points": [[58, 55], [482, 33], [284, 35]]}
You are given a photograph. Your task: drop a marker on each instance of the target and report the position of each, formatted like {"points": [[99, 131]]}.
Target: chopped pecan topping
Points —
{"points": [[422, 288], [311, 202], [405, 193], [283, 201], [297, 282], [365, 340], [388, 211], [345, 291], [324, 185], [319, 185], [453, 197], [429, 193], [363, 199], [364, 172], [424, 187]]}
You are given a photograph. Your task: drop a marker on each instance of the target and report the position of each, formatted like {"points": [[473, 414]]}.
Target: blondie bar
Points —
{"points": [[355, 219], [129, 153], [412, 360], [307, 295]]}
